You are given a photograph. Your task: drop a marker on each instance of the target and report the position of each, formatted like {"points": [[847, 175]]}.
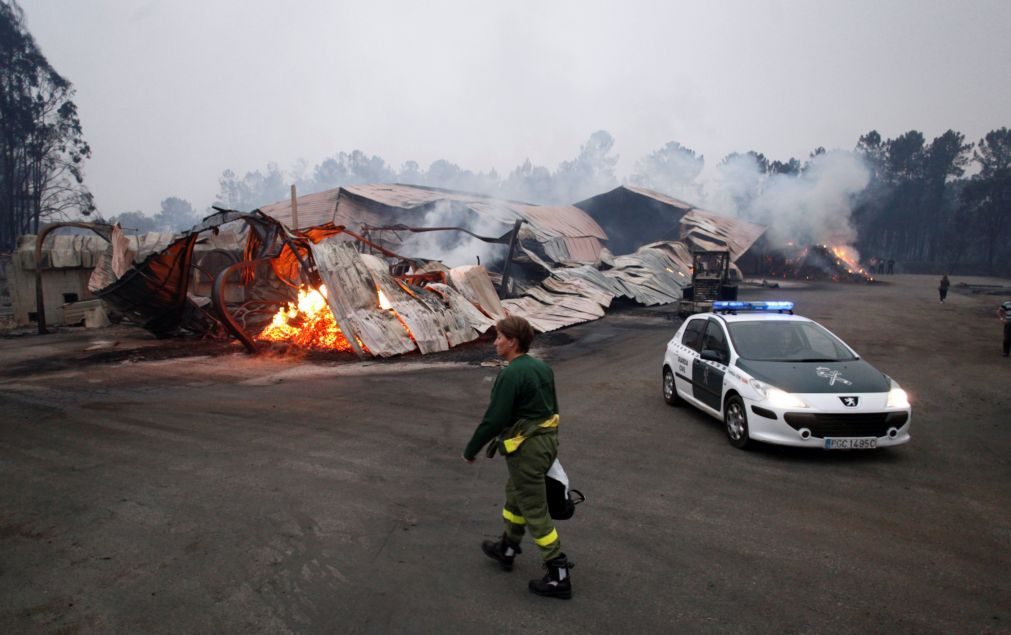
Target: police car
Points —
{"points": [[776, 377]]}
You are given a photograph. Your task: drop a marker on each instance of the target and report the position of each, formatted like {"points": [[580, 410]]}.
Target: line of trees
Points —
{"points": [[921, 208], [590, 172], [42, 149]]}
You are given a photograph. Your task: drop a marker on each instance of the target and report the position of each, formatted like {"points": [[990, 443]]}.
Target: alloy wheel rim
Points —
{"points": [[668, 385], [735, 421]]}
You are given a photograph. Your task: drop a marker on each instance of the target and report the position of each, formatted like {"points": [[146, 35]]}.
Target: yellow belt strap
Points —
{"points": [[512, 444]]}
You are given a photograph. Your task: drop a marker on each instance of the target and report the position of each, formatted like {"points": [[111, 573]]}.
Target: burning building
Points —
{"points": [[382, 270]]}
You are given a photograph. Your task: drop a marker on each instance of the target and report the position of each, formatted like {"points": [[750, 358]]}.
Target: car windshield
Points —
{"points": [[787, 341]]}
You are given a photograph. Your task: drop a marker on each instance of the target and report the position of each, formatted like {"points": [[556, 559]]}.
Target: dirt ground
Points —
{"points": [[183, 486]]}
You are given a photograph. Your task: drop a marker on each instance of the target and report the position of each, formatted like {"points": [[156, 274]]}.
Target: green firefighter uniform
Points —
{"points": [[523, 419]]}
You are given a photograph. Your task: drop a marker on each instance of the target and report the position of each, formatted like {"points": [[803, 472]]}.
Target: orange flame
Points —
{"points": [[307, 323], [386, 305], [849, 258]]}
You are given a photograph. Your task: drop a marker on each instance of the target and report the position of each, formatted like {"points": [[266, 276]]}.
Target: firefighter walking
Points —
{"points": [[521, 422]]}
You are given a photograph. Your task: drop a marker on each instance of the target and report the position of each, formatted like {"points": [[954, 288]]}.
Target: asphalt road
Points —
{"points": [[145, 489]]}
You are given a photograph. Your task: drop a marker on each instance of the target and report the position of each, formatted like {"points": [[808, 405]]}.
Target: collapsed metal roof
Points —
{"points": [[234, 271], [635, 216], [708, 231], [564, 232]]}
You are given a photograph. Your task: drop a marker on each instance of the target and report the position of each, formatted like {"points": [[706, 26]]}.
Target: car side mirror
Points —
{"points": [[710, 355]]}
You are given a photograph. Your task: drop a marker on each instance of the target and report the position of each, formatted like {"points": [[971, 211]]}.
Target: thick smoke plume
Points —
{"points": [[813, 206]]}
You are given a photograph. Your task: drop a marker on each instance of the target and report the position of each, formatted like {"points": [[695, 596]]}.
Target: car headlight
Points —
{"points": [[777, 398], [897, 398]]}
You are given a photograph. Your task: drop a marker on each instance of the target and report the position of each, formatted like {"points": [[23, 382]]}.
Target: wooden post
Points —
{"points": [[294, 208]]}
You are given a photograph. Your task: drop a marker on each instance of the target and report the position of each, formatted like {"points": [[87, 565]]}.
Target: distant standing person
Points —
{"points": [[942, 288], [522, 422], [891, 265], [1004, 313]]}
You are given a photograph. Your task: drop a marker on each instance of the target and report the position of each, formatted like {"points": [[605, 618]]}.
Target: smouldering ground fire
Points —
{"points": [[838, 263]]}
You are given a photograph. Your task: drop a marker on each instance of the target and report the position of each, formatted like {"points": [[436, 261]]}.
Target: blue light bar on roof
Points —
{"points": [[724, 306]]}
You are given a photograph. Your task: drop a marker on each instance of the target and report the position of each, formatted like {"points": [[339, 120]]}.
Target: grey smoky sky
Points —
{"points": [[173, 92]]}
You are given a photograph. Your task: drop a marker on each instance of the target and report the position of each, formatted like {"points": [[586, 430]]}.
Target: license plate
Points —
{"points": [[858, 443]]}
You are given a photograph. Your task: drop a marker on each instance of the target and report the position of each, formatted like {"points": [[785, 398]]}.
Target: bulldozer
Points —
{"points": [[713, 278]]}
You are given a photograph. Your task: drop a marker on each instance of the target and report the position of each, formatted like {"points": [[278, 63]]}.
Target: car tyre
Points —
{"points": [[670, 391], [735, 420]]}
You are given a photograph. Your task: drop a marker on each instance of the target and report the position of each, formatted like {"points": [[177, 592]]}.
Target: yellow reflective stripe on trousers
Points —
{"points": [[513, 518], [513, 444], [547, 540]]}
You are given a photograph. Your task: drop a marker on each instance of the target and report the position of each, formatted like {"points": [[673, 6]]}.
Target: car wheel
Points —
{"points": [[735, 417], [670, 392]]}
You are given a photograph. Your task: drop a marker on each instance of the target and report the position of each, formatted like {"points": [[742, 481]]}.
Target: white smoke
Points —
{"points": [[736, 185], [812, 207], [815, 206], [455, 248]]}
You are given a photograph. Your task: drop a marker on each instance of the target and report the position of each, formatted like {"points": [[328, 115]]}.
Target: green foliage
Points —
{"points": [[986, 199]]}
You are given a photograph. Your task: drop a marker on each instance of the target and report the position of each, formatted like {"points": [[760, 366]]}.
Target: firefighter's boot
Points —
{"points": [[503, 550], [557, 583]]}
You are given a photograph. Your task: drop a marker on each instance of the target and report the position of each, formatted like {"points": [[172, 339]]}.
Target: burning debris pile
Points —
{"points": [[312, 289], [307, 323], [816, 262], [319, 284]]}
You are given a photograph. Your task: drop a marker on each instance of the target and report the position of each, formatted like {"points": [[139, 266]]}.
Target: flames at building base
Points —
{"points": [[307, 323], [818, 262]]}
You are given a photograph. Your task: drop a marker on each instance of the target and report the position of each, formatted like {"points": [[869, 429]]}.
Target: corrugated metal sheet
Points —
{"points": [[709, 231], [573, 234], [423, 319], [408, 196], [459, 303], [563, 220], [354, 301], [663, 198], [552, 312], [655, 274], [475, 285], [313, 209]]}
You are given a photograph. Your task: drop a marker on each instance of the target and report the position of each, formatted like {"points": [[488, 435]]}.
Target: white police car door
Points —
{"points": [[707, 375]]}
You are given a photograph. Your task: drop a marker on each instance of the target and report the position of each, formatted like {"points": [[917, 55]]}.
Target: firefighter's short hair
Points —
{"points": [[516, 328]]}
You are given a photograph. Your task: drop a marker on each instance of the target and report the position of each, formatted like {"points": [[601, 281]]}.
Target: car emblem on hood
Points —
{"points": [[850, 402], [832, 376]]}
